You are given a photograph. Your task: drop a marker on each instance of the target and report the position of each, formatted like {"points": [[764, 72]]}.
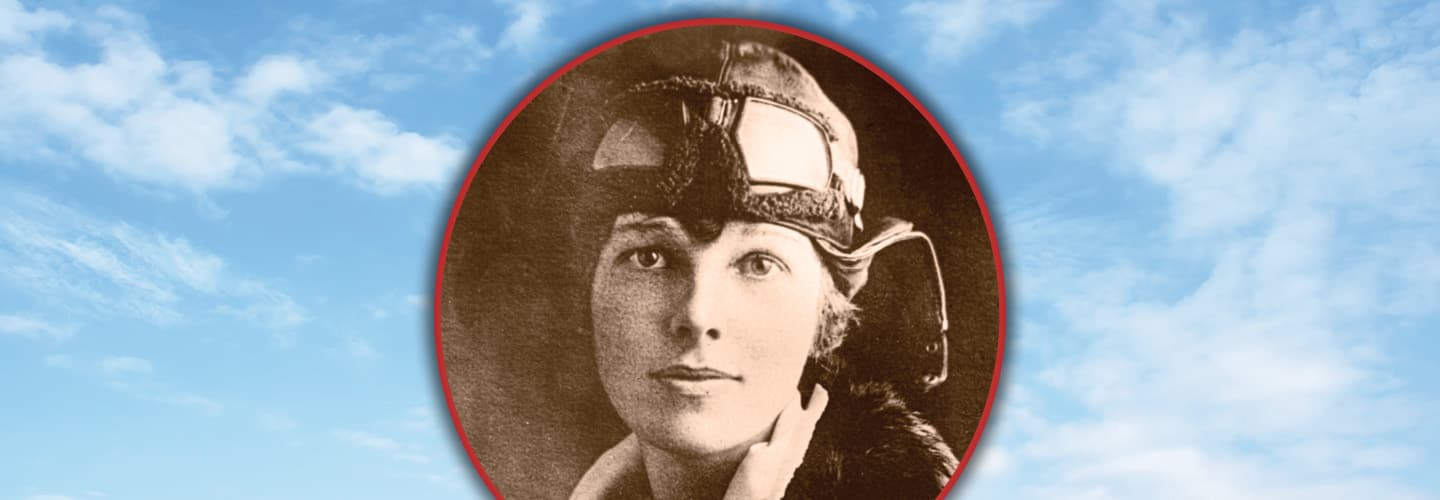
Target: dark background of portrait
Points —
{"points": [[515, 289]]}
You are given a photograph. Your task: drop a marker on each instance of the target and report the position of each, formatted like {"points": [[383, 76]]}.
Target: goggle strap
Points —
{"points": [[896, 231]]}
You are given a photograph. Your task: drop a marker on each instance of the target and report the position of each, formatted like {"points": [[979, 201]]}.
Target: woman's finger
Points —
{"points": [[819, 398], [792, 451], [789, 419], [768, 467]]}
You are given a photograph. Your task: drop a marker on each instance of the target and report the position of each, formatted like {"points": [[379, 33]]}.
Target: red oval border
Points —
{"points": [[720, 21]]}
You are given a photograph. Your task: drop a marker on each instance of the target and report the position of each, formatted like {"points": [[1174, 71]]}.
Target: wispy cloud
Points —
{"points": [[22, 325], [359, 348], [955, 28], [407, 305], [1233, 345], [266, 307], [86, 264], [421, 419], [366, 440], [58, 496], [847, 11], [158, 392], [196, 402], [527, 25], [117, 365], [751, 5], [390, 447]]}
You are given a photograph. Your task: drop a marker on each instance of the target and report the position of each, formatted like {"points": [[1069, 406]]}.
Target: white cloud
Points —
{"points": [[147, 119], [955, 28], [155, 392], [750, 5], [420, 419], [849, 10], [18, 23], [278, 74], [265, 306], [193, 401], [1232, 341], [1387, 457], [527, 27], [132, 113], [378, 153], [449, 46], [85, 264], [990, 461], [366, 440], [115, 365], [412, 458], [377, 312], [434, 43], [359, 348], [383, 307], [387, 446], [27, 326]]}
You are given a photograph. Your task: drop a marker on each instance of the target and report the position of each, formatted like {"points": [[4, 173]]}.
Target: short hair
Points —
{"points": [[837, 315]]}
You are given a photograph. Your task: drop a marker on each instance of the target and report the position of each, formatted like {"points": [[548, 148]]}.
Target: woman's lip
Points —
{"points": [[690, 373], [698, 388], [698, 383]]}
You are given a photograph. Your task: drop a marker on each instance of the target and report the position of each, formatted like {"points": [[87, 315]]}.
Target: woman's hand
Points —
{"points": [[769, 466]]}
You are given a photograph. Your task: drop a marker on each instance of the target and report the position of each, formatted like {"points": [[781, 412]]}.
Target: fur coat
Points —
{"points": [[867, 445]]}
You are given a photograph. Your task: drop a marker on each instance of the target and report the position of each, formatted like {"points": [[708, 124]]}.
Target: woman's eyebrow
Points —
{"points": [[761, 231], [652, 228]]}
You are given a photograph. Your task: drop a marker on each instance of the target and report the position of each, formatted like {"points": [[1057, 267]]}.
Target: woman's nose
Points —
{"points": [[700, 310]]}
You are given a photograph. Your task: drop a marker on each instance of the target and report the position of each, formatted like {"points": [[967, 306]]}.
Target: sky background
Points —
{"points": [[219, 228]]}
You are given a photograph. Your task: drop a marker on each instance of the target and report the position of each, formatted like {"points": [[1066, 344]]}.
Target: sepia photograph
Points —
{"points": [[719, 250], [720, 260]]}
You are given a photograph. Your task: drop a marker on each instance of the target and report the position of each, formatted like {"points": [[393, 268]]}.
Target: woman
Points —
{"points": [[729, 203]]}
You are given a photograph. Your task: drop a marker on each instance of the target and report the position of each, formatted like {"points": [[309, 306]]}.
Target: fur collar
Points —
{"points": [[867, 444], [870, 444]]}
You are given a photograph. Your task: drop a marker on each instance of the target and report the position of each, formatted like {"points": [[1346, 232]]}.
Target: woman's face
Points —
{"points": [[700, 344]]}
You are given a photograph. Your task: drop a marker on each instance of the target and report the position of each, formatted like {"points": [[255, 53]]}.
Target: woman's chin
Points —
{"points": [[696, 437]]}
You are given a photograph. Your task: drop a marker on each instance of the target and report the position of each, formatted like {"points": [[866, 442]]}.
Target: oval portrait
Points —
{"points": [[719, 259]]}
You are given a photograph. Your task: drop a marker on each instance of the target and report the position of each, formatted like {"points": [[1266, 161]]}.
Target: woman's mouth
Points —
{"points": [[694, 381]]}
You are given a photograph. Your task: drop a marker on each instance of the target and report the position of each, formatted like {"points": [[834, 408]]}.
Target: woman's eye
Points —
{"points": [[648, 258], [759, 266]]}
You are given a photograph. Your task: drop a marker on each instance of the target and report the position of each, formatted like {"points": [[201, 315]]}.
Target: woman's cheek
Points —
{"points": [[783, 332], [631, 315]]}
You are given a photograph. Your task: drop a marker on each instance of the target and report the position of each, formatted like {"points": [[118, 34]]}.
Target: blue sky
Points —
{"points": [[218, 230]]}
